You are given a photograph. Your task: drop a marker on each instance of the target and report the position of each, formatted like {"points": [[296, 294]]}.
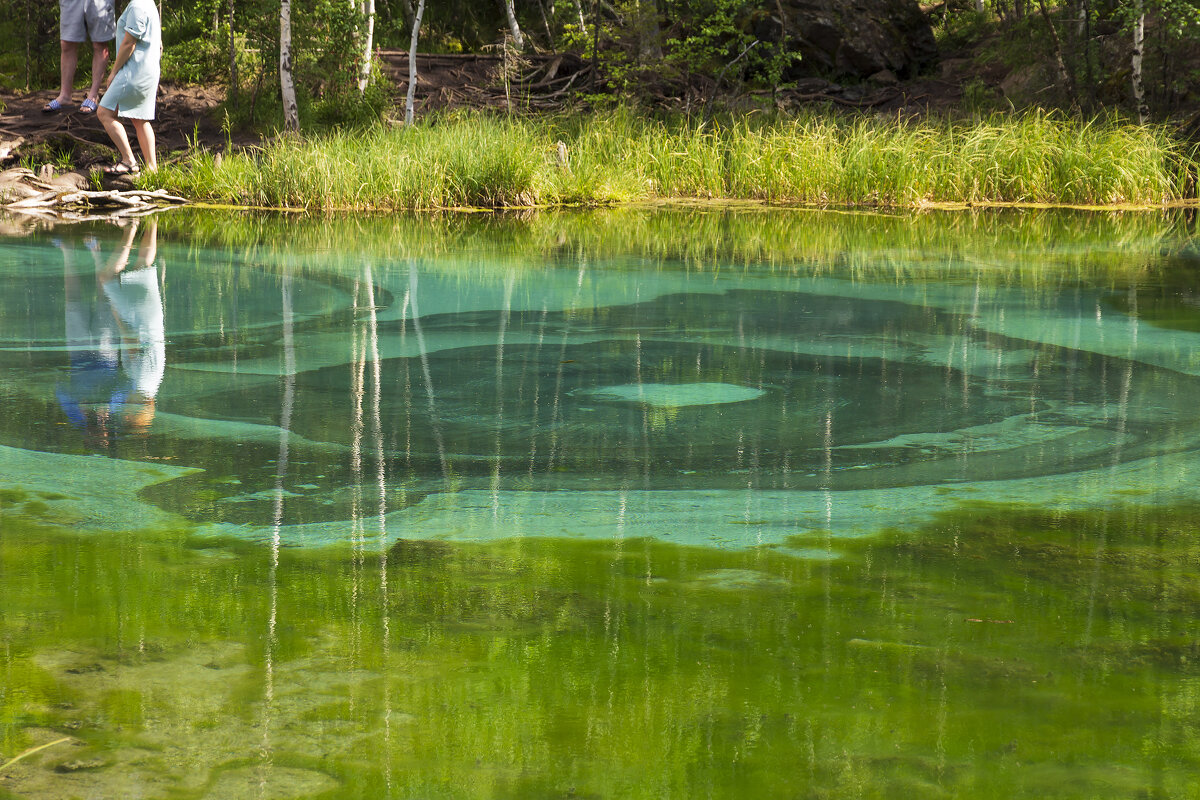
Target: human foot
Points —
{"points": [[121, 168]]}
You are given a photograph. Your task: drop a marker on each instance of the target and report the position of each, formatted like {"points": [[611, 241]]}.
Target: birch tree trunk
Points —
{"points": [[233, 72], [287, 87], [511, 11], [1139, 44], [412, 64], [364, 77]]}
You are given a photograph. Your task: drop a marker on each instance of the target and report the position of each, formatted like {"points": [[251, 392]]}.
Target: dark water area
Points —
{"points": [[639, 503]]}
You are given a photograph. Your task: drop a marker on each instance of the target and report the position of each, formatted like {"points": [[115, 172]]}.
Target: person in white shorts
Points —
{"points": [[133, 85], [80, 20]]}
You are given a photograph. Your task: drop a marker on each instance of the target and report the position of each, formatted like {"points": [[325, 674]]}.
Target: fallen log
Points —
{"points": [[66, 199]]}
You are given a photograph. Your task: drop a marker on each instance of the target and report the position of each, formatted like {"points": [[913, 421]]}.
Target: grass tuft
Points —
{"points": [[478, 160]]}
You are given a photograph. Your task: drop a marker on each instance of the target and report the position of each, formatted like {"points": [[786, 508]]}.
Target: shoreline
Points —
{"points": [[724, 203]]}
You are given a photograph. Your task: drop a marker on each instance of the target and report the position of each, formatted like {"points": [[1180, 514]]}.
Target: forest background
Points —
{"points": [[996, 54]]}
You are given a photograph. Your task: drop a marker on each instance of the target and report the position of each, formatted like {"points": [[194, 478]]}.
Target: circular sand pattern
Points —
{"points": [[772, 390]]}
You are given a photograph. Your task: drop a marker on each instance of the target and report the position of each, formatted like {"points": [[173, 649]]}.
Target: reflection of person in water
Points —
{"points": [[120, 321]]}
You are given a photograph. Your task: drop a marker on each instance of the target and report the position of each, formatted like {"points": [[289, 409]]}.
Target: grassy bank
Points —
{"points": [[479, 160]]}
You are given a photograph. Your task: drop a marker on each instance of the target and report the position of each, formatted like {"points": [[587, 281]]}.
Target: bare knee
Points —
{"points": [[106, 114]]}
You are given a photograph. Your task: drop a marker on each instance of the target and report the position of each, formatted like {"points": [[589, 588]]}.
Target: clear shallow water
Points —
{"points": [[636, 504]]}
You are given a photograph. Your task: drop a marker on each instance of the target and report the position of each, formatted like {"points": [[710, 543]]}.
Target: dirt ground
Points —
{"points": [[184, 113]]}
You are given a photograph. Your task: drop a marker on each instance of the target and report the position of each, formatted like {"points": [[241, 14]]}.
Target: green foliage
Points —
{"points": [[714, 35], [29, 57], [342, 103], [978, 97], [202, 60], [326, 63]]}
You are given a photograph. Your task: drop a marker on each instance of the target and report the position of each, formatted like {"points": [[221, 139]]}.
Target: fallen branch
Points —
{"points": [[33, 750], [71, 199]]}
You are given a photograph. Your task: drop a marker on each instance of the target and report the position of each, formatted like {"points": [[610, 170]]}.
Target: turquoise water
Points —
{"points": [[659, 503]]}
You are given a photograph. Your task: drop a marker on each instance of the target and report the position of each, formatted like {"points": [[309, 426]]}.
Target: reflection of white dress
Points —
{"points": [[135, 297]]}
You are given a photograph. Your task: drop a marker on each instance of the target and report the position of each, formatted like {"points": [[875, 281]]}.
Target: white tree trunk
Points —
{"points": [[511, 11], [364, 77], [979, 6], [291, 114], [579, 9], [412, 64], [1139, 42], [233, 72]]}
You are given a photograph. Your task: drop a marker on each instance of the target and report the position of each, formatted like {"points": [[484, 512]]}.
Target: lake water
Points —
{"points": [[637, 503]]}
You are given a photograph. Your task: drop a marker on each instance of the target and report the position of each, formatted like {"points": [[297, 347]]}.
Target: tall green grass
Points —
{"points": [[474, 159]]}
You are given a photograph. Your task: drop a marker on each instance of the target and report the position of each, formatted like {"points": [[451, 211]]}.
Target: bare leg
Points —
{"points": [[68, 59], [99, 66], [116, 132], [145, 137]]}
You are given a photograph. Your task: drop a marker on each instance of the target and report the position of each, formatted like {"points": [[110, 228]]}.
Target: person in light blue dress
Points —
{"points": [[133, 85]]}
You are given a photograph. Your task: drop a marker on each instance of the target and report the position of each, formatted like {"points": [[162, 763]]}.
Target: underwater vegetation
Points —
{"points": [[997, 652]]}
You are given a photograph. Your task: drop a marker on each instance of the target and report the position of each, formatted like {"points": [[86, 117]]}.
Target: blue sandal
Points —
{"points": [[53, 107], [88, 106]]}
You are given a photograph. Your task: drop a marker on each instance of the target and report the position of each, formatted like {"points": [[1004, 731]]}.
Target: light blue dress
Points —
{"points": [[133, 89]]}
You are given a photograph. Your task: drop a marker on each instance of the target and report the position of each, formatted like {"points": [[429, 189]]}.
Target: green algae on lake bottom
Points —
{"points": [[655, 504], [997, 652]]}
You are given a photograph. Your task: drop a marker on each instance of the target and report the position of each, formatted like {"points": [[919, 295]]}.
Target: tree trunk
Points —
{"points": [[650, 50], [579, 9], [1063, 73], [511, 11], [546, 23], [364, 77], [595, 43], [233, 73], [287, 87], [1139, 43], [412, 64]]}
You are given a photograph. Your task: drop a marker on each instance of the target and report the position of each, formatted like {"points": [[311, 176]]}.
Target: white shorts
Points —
{"points": [[80, 20]]}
